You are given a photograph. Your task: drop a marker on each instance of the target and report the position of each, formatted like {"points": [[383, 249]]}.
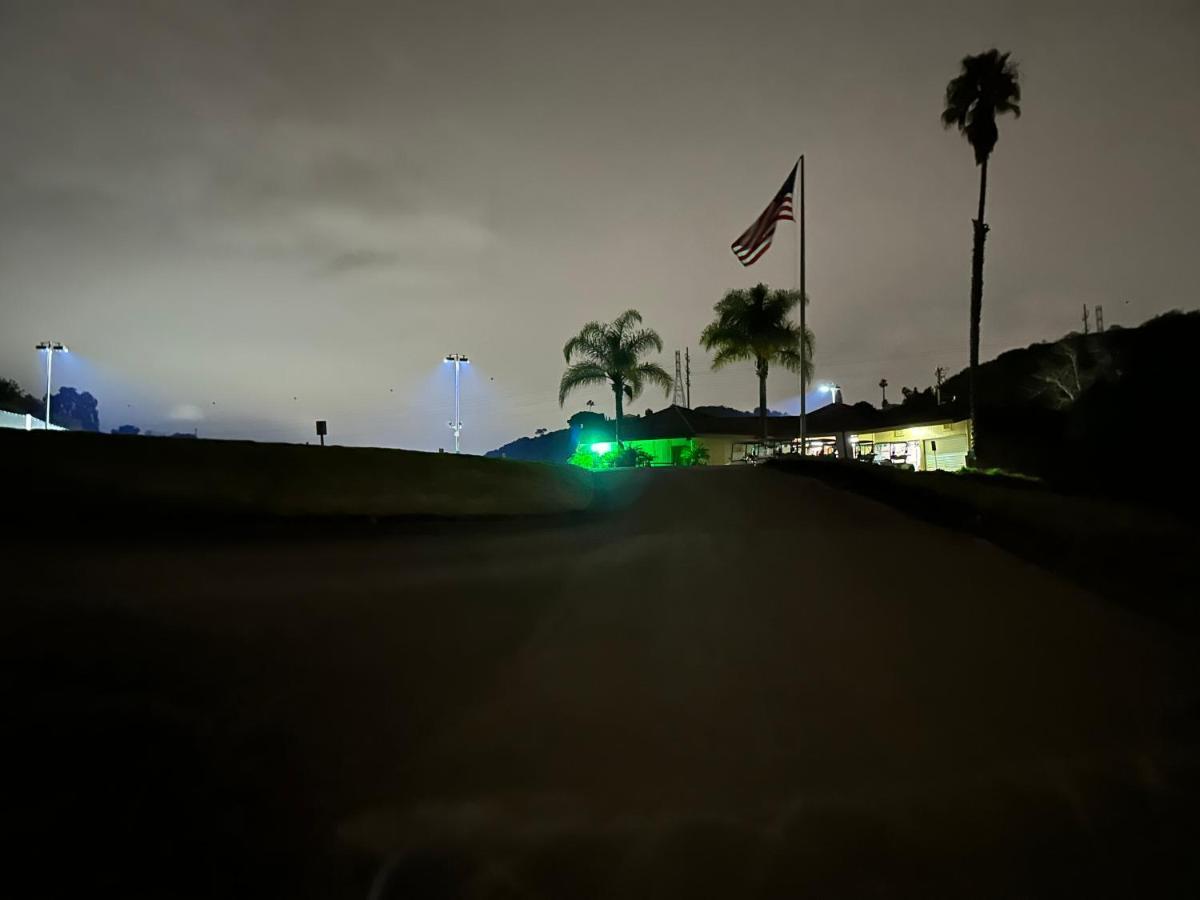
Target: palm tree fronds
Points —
{"points": [[584, 374], [589, 342], [611, 354], [791, 360], [644, 340], [731, 354], [656, 375], [986, 86], [755, 325], [626, 320]]}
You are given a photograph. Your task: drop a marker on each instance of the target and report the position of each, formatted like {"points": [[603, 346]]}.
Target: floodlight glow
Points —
{"points": [[601, 447]]}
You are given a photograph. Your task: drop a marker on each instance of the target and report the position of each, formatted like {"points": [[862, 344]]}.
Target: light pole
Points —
{"points": [[456, 426], [51, 347]]}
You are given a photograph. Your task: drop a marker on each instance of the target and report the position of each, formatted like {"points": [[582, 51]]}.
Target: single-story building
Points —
{"points": [[924, 439]]}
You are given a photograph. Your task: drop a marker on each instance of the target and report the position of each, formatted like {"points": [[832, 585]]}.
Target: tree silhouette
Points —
{"points": [[75, 410], [756, 325], [883, 389], [985, 88], [611, 354], [14, 399]]}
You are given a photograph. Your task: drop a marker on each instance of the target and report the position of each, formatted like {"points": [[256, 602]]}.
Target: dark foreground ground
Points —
{"points": [[741, 684]]}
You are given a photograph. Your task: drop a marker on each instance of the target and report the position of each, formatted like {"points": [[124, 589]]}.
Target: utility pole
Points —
{"points": [[677, 399], [939, 375], [51, 347], [1099, 319], [687, 368], [456, 426], [1085, 319]]}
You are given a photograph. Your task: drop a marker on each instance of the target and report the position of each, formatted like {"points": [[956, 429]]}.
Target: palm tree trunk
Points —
{"points": [[980, 235], [618, 394], [761, 365]]}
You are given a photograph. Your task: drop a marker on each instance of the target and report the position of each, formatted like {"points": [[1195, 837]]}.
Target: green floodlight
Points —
{"points": [[601, 447]]}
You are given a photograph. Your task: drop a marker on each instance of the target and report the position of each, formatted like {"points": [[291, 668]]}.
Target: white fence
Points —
{"points": [[24, 421]]}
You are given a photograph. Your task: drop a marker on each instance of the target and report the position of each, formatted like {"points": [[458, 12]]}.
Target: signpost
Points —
{"points": [[322, 430]]}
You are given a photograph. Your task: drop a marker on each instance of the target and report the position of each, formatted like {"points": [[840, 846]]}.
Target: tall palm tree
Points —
{"points": [[985, 88], [611, 354], [756, 325], [883, 388]]}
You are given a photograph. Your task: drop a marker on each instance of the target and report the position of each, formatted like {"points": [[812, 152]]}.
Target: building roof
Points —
{"points": [[826, 421]]}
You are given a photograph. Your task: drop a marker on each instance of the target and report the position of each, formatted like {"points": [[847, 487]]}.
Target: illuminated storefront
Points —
{"points": [[926, 448]]}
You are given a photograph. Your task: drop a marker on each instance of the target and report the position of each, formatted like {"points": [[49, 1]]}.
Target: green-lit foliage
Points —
{"points": [[584, 458], [694, 455], [626, 457]]}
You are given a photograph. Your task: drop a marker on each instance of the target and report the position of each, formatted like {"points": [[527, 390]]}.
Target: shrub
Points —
{"points": [[694, 455], [584, 458], [626, 457]]}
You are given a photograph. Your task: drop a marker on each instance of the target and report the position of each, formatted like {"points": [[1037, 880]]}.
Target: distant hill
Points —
{"points": [[731, 413], [1095, 412], [554, 446]]}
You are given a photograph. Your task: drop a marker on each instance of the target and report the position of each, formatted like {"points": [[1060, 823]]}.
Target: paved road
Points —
{"points": [[739, 683]]}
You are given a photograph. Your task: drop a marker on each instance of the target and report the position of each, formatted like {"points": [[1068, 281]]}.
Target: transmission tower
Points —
{"points": [[939, 375], [1085, 319], [1099, 319], [678, 399]]}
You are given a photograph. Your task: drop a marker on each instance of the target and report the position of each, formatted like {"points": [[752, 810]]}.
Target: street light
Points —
{"points": [[51, 347], [456, 426], [833, 389]]}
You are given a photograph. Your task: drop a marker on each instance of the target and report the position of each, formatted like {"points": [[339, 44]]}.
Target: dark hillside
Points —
{"points": [[1092, 412]]}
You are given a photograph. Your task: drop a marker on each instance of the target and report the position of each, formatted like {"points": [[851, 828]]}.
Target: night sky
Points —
{"points": [[222, 206]]}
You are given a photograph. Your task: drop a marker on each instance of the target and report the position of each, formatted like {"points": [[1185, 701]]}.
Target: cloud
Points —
{"points": [[357, 260], [185, 412]]}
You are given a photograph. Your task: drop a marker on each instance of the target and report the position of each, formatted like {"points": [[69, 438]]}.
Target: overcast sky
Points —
{"points": [[243, 216]]}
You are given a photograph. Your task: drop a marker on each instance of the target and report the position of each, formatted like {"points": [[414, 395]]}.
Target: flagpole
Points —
{"points": [[803, 299]]}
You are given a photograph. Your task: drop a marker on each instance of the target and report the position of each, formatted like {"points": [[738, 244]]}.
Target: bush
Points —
{"points": [[694, 455], [584, 458], [626, 458], [623, 458]]}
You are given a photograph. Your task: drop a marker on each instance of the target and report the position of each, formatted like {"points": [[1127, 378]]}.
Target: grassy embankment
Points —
{"points": [[78, 473], [1140, 557]]}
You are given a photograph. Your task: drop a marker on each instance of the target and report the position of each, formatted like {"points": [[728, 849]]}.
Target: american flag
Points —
{"points": [[754, 242]]}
